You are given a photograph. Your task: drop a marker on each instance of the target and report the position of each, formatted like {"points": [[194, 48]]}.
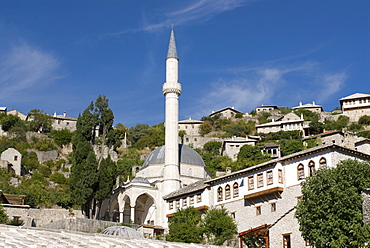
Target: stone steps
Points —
{"points": [[12, 236]]}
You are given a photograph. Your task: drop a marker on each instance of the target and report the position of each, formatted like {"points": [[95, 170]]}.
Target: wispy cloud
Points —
{"points": [[202, 10], [248, 87], [24, 68]]}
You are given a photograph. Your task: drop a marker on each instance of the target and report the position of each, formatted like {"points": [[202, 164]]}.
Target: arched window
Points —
{"points": [[300, 172], [219, 194], [235, 190], [311, 168], [323, 163], [227, 192]]}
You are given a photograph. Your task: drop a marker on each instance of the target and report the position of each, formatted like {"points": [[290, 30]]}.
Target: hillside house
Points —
{"points": [[356, 105]]}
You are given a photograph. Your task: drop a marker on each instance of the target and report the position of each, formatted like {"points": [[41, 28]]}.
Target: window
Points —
{"points": [[258, 210], [260, 180], [178, 204], [67, 124], [232, 215], [15, 158], [280, 176], [195, 139], [235, 190], [219, 194], [250, 182], [191, 201], [300, 172], [170, 205], [269, 177], [323, 163], [286, 241], [273, 207], [184, 202], [199, 197], [311, 168], [227, 192]]}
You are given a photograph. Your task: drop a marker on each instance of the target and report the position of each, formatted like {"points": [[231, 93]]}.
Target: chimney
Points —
{"points": [[313, 103], [64, 114], [55, 114], [300, 103]]}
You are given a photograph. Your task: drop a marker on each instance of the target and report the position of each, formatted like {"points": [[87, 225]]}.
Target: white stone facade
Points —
{"points": [[355, 106], [11, 160]]}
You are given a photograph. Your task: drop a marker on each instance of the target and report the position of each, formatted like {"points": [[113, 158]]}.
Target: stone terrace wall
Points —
{"points": [[38, 217], [366, 204], [80, 225]]}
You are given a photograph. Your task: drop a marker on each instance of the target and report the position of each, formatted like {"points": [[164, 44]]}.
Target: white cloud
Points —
{"points": [[251, 86], [24, 68]]}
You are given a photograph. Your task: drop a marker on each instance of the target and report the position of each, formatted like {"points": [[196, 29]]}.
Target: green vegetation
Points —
{"points": [[330, 211], [188, 226]]}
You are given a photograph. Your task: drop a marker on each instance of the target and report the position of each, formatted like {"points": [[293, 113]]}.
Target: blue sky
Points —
{"points": [[60, 55]]}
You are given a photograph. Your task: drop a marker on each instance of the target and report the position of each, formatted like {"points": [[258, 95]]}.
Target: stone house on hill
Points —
{"points": [[355, 106], [226, 113], [64, 122], [288, 122], [190, 126], [11, 160], [311, 107], [266, 108]]}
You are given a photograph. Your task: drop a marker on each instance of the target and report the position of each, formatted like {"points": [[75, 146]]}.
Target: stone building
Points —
{"points": [[355, 106], [266, 108], [288, 122], [64, 122], [310, 106], [190, 126], [226, 113], [11, 160], [231, 147]]}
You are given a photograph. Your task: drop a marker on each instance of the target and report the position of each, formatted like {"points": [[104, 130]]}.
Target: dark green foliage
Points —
{"points": [[61, 137], [313, 143], [138, 131], [30, 161], [316, 127], [307, 114], [339, 124], [239, 115], [239, 128], [212, 147], [16, 222], [44, 170], [9, 121], [364, 120], [255, 240], [354, 127], [107, 178], [185, 226], [365, 134], [58, 177], [5, 185], [125, 164], [154, 137], [219, 226], [39, 121], [289, 146], [263, 117], [330, 211], [296, 134], [251, 155], [43, 144], [3, 216], [205, 128], [5, 143], [215, 164], [284, 110]]}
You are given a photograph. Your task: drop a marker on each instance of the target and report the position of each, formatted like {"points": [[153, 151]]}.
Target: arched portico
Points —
{"points": [[145, 210]]}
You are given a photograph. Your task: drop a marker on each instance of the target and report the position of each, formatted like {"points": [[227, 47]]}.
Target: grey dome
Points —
{"points": [[122, 231], [186, 155], [139, 180]]}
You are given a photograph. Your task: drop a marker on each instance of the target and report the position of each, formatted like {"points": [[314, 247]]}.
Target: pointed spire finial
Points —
{"points": [[172, 51]]}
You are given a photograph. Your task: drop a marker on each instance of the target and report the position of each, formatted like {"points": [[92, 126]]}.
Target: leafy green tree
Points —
{"points": [[307, 114], [365, 134], [62, 137], [3, 216], [107, 178], [263, 117], [185, 226], [137, 131], [289, 146], [251, 155], [354, 127], [219, 226], [9, 121], [205, 128], [339, 124], [58, 177], [39, 121], [316, 127], [330, 211], [212, 147], [364, 120]]}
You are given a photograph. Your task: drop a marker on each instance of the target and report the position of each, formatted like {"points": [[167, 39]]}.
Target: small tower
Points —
{"points": [[172, 91]]}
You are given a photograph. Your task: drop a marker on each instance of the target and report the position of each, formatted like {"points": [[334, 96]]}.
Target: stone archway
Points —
{"points": [[145, 210]]}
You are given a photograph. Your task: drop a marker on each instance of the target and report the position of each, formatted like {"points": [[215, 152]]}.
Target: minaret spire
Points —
{"points": [[172, 91], [172, 51]]}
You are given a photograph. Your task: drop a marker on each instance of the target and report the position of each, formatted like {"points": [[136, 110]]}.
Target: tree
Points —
{"points": [[39, 121], [212, 147], [330, 211], [62, 137], [219, 226], [364, 120], [185, 226], [289, 146], [3, 216], [251, 155]]}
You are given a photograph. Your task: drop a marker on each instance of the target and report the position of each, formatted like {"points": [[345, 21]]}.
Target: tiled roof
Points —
{"points": [[199, 185], [354, 96]]}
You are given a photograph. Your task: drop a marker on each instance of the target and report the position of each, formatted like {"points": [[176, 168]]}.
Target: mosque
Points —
{"points": [[261, 199], [168, 168]]}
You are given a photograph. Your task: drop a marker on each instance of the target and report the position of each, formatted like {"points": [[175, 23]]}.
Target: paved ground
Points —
{"points": [[11, 236]]}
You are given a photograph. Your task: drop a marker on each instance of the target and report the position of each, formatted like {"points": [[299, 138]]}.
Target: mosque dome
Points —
{"points": [[122, 231], [186, 154], [139, 180]]}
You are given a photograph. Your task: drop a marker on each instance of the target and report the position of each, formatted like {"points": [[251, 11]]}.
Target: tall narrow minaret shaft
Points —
{"points": [[172, 91]]}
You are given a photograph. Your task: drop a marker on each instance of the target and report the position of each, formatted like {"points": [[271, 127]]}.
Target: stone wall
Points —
{"points": [[80, 225], [366, 204], [38, 217], [42, 157]]}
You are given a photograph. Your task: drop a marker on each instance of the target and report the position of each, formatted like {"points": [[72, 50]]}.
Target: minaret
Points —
{"points": [[172, 91]]}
